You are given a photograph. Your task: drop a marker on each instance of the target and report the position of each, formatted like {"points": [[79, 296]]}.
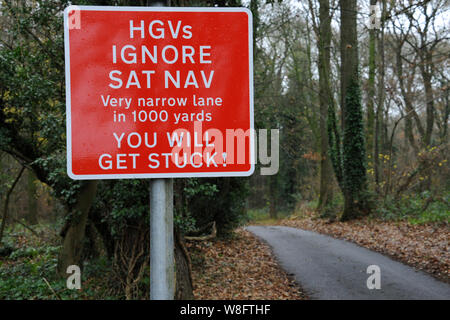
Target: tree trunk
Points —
{"points": [[371, 89], [183, 277], [354, 168], [31, 216], [325, 98], [273, 197], [349, 49], [426, 76], [409, 135], [379, 110], [72, 248], [6, 204]]}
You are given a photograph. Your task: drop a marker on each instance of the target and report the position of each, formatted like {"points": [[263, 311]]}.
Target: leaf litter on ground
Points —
{"points": [[242, 267]]}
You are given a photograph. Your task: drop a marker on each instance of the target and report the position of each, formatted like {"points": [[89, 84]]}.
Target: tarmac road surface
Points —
{"points": [[328, 268]]}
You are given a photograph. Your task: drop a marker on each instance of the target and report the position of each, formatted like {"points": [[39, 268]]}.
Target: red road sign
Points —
{"points": [[158, 92]]}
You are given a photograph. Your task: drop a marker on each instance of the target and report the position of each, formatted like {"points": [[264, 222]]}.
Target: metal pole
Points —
{"points": [[162, 264], [162, 267]]}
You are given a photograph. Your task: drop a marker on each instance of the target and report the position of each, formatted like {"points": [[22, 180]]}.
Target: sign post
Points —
{"points": [[162, 262], [159, 93], [162, 269]]}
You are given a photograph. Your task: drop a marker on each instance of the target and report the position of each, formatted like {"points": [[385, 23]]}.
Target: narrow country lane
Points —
{"points": [[329, 268]]}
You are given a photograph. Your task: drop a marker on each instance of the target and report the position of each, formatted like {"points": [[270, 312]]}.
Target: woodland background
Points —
{"points": [[363, 115]]}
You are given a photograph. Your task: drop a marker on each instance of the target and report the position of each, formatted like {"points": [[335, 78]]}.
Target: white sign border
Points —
{"points": [[155, 175]]}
